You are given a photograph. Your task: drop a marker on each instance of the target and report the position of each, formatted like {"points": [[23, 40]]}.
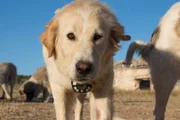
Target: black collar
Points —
{"points": [[81, 88]]}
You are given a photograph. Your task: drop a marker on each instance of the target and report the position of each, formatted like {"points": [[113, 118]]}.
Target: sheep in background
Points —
{"points": [[8, 76]]}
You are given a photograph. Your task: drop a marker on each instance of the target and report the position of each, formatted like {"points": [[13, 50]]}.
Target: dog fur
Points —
{"points": [[86, 20], [163, 57], [8, 77], [38, 83]]}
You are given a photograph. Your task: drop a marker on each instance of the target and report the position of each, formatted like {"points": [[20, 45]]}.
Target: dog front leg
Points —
{"points": [[101, 108], [59, 96], [92, 107], [79, 106], [163, 86], [163, 90]]}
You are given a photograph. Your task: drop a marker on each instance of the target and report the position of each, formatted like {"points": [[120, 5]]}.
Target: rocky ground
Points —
{"points": [[136, 105]]}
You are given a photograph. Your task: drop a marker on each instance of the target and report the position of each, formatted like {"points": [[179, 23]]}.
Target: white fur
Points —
{"points": [[167, 24], [163, 59], [85, 19]]}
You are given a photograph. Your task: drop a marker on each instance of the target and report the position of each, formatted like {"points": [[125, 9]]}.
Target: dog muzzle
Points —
{"points": [[81, 88]]}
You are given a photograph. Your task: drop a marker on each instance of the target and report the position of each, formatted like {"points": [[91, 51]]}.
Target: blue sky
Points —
{"points": [[22, 21]]}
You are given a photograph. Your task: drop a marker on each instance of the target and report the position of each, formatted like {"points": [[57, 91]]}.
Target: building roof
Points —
{"points": [[136, 63]]}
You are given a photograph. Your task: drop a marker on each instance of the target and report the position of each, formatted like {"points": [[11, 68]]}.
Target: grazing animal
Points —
{"points": [[78, 48], [8, 77], [37, 84], [163, 57]]}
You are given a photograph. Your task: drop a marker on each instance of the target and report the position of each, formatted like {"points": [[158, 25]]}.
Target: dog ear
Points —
{"points": [[117, 34], [177, 28], [48, 37], [155, 35]]}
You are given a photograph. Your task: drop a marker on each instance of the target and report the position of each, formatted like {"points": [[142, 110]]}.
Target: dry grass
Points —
{"points": [[136, 105], [26, 111]]}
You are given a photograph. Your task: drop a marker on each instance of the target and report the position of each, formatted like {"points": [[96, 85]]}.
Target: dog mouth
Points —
{"points": [[81, 88]]}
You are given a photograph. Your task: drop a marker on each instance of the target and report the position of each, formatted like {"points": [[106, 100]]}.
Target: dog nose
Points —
{"points": [[83, 68]]}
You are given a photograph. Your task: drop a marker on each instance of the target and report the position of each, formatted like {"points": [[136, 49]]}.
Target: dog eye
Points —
{"points": [[97, 37], [71, 36]]}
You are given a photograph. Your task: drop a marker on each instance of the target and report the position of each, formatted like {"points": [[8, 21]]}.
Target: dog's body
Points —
{"points": [[78, 47], [38, 83], [8, 76], [163, 57]]}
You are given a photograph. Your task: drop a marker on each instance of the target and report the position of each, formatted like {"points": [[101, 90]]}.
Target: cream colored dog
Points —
{"points": [[78, 48], [37, 83], [163, 57]]}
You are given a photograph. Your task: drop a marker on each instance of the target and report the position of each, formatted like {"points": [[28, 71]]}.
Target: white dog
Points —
{"points": [[37, 83], [78, 48], [163, 57]]}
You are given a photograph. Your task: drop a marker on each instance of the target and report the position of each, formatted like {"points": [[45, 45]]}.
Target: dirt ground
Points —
{"points": [[136, 105]]}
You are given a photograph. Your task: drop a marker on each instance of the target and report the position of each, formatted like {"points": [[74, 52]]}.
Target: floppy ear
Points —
{"points": [[117, 34], [155, 35], [48, 37], [177, 28]]}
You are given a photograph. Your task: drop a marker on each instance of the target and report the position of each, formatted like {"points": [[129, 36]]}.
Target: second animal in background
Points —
{"points": [[8, 76], [38, 83], [162, 55]]}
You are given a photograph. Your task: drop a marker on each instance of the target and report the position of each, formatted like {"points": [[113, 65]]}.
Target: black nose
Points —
{"points": [[83, 68]]}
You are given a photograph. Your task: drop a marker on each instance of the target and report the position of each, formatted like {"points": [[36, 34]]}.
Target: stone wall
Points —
{"points": [[129, 78]]}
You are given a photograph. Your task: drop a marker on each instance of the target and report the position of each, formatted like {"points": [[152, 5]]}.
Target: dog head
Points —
{"points": [[167, 34], [83, 37], [30, 89]]}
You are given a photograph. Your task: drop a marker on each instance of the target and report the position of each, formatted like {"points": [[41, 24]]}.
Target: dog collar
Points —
{"points": [[81, 88]]}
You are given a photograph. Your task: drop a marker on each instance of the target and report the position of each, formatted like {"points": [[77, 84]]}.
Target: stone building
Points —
{"points": [[136, 76]]}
